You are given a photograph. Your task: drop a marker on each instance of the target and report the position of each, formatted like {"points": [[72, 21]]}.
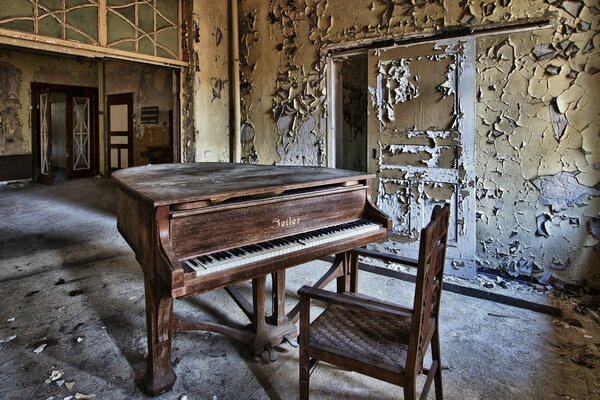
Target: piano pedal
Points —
{"points": [[271, 352], [291, 342]]}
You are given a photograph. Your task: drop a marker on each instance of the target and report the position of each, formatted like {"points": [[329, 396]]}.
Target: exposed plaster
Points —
{"points": [[11, 128], [536, 111]]}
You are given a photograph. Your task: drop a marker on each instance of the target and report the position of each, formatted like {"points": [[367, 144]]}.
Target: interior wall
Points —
{"points": [[206, 86], [151, 86], [17, 71], [538, 127]]}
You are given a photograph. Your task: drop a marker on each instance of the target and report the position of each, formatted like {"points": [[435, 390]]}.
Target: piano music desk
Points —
{"points": [[202, 226]]}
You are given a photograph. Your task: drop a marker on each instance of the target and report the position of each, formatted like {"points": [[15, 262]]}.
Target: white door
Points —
{"points": [[421, 142]]}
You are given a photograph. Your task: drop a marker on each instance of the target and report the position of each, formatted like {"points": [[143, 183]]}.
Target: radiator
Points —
{"points": [[14, 167]]}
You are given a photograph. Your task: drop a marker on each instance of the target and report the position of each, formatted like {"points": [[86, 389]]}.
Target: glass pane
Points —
{"points": [[168, 40], [71, 3], [44, 134], [16, 8], [81, 133], [85, 21], [169, 9], [128, 45], [145, 18], [118, 2], [49, 5], [24, 26], [118, 28], [127, 12], [49, 26], [146, 46], [70, 34]]}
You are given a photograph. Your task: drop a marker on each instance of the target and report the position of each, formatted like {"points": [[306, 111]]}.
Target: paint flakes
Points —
{"points": [[563, 191], [218, 36], [558, 119], [217, 88], [541, 221]]}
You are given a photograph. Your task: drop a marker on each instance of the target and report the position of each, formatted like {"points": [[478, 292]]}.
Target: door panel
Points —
{"points": [[45, 146], [81, 133], [81, 140], [421, 142], [120, 131]]}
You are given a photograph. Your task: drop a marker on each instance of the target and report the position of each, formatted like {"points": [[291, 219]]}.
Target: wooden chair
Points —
{"points": [[378, 338]]}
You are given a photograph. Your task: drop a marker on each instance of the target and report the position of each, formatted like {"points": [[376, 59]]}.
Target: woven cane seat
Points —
{"points": [[363, 335]]}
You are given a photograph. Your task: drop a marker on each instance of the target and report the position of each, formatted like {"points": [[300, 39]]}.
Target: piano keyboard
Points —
{"points": [[232, 258]]}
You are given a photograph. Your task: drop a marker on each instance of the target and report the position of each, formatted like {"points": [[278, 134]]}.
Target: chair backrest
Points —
{"points": [[430, 273]]}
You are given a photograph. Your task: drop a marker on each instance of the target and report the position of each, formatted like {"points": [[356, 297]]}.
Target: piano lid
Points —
{"points": [[165, 184]]}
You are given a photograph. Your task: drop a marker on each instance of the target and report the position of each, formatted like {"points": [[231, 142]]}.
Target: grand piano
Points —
{"points": [[202, 226]]}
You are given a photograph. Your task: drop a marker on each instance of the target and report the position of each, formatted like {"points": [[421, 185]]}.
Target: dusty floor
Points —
{"points": [[69, 281]]}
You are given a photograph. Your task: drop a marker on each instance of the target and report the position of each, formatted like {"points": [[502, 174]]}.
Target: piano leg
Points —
{"points": [[160, 376], [278, 298], [279, 327], [348, 281]]}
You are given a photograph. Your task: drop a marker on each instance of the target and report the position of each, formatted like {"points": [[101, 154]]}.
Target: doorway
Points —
{"points": [[407, 114], [65, 132], [120, 131]]}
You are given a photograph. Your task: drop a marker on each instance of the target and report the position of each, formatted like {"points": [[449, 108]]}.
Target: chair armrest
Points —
{"points": [[411, 262], [354, 301]]}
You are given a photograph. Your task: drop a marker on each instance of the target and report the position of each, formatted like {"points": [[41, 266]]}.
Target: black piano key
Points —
{"points": [[236, 252]]}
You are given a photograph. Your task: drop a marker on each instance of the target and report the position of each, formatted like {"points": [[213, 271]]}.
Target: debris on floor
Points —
{"points": [[54, 376], [40, 348], [8, 339]]}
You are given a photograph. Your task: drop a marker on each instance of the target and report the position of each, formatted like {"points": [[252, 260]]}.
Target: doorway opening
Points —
{"points": [[406, 113], [348, 117], [64, 132]]}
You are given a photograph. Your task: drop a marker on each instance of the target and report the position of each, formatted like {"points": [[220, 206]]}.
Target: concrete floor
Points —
{"points": [[69, 281]]}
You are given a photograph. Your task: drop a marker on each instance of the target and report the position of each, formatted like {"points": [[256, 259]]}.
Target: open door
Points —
{"points": [[43, 156], [75, 122], [421, 142]]}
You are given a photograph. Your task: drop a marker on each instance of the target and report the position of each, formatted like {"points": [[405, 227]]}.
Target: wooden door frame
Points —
{"points": [[121, 98], [76, 91], [36, 91], [335, 102]]}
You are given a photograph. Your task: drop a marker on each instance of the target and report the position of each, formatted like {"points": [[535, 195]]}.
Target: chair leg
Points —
{"points": [[435, 354], [410, 389], [304, 377]]}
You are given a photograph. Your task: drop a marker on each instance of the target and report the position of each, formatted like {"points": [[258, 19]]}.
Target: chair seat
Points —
{"points": [[380, 341]]}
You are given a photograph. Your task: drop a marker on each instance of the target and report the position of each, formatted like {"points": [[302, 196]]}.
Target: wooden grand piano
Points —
{"points": [[198, 227]]}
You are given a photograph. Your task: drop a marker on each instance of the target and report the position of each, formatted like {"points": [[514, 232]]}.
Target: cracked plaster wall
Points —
{"points": [[17, 71], [538, 124], [206, 85]]}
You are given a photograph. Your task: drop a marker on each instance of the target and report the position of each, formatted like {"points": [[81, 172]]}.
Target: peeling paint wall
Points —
{"points": [[151, 86], [538, 150], [538, 164], [206, 86], [17, 71]]}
